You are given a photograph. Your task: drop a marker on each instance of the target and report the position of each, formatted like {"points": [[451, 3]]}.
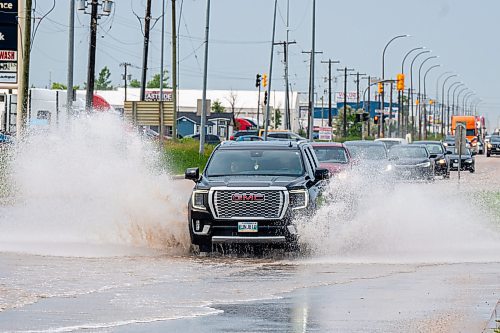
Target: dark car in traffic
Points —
{"points": [[236, 135], [467, 160], [438, 153], [333, 156], [250, 193], [210, 139], [411, 162], [493, 146], [369, 158]]}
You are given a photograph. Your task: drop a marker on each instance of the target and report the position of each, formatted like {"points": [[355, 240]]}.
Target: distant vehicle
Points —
{"points": [[249, 138], [437, 152], [242, 133], [411, 162], [332, 156], [449, 141], [282, 135], [493, 147], [245, 124], [367, 150], [6, 139], [470, 126], [389, 142], [209, 138], [468, 161]]}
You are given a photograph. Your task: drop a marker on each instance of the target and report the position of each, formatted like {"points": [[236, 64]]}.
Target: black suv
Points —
{"points": [[441, 158], [493, 147], [250, 192]]}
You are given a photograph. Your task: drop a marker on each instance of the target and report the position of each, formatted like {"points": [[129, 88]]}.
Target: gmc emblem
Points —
{"points": [[248, 197]]}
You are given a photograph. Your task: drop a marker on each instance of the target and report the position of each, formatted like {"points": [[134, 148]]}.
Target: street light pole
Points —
{"points": [[402, 94], [425, 97], [381, 124], [458, 99], [203, 119], [448, 117], [411, 90], [465, 98], [420, 96], [442, 102]]}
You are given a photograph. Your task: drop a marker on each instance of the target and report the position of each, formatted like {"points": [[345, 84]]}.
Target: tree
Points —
{"points": [[103, 82], [276, 118], [217, 107], [134, 83], [232, 99], [155, 81], [61, 86], [353, 127]]}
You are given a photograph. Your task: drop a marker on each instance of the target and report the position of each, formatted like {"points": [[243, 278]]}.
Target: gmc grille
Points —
{"points": [[226, 207]]}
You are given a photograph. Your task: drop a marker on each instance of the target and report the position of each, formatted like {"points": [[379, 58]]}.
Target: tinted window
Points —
{"points": [[368, 152], [331, 154], [408, 152], [434, 148], [256, 162]]}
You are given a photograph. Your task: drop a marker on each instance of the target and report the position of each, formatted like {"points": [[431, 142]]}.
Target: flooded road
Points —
{"points": [[412, 257]]}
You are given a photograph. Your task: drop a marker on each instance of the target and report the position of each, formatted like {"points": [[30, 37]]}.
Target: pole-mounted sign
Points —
{"points": [[8, 41]]}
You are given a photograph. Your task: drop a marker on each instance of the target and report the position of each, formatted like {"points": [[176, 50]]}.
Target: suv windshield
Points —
{"points": [[408, 152], [495, 138], [265, 162], [368, 152], [331, 154]]}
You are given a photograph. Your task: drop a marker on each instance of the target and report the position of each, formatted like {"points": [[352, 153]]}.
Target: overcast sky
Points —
{"points": [[462, 32]]}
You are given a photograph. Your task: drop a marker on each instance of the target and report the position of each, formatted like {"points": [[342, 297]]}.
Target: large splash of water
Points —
{"points": [[91, 183], [365, 220]]}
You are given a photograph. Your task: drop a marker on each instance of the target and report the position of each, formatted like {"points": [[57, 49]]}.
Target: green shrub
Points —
{"points": [[184, 153]]}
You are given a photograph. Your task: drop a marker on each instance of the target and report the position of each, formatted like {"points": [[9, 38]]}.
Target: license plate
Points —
{"points": [[248, 227], [455, 165]]}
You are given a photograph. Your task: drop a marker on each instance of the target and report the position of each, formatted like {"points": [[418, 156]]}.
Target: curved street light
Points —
{"points": [[381, 124], [448, 117], [402, 94], [425, 97], [442, 102], [465, 98], [420, 95], [458, 99], [411, 88]]}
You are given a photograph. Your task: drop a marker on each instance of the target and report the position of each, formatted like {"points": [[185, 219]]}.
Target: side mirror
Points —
{"points": [[448, 152], [192, 174], [474, 153], [433, 156], [321, 174]]}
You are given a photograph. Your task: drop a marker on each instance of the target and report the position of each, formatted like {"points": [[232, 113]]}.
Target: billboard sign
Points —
{"points": [[352, 97], [154, 95], [325, 133], [9, 32]]}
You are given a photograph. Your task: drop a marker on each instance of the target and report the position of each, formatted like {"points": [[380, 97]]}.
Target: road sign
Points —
{"points": [[325, 133]]}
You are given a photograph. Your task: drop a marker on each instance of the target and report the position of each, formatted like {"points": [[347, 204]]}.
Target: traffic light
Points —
{"points": [[376, 119], [366, 116], [380, 88], [265, 97], [400, 82], [264, 80], [257, 81]]}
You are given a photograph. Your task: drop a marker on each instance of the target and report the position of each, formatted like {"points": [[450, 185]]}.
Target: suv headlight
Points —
{"points": [[441, 161], [299, 199], [468, 160], [424, 165], [199, 199]]}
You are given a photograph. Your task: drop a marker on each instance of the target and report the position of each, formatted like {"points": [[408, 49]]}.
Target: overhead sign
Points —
{"points": [[352, 97], [8, 41], [325, 133]]}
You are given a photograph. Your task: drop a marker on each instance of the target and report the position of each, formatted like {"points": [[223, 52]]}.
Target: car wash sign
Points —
{"points": [[8, 41]]}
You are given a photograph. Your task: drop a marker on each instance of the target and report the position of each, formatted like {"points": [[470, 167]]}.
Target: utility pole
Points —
{"points": [[204, 94], [94, 16], [174, 70], [22, 107], [147, 23], [285, 61], [330, 62], [266, 123], [311, 88], [344, 125], [71, 58], [125, 76], [162, 76], [390, 109], [92, 49]]}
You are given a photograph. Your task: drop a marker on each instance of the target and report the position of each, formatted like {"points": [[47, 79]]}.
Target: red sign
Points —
{"points": [[8, 55]]}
